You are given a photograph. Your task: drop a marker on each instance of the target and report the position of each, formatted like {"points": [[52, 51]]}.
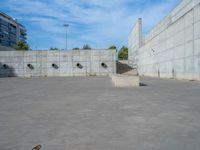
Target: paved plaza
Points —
{"points": [[87, 113]]}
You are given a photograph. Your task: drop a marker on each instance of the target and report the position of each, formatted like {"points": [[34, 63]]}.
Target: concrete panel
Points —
{"points": [[196, 13], [189, 65], [189, 49], [189, 19], [179, 52], [189, 33], [179, 38], [197, 30], [197, 47], [135, 42]]}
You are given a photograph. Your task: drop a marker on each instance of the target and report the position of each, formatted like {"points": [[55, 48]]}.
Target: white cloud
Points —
{"points": [[98, 22]]}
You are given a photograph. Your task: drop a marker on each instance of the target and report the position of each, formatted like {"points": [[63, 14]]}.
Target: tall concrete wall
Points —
{"points": [[57, 63], [172, 48], [136, 36]]}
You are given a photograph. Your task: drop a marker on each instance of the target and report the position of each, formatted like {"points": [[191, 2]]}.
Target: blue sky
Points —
{"points": [[99, 23]]}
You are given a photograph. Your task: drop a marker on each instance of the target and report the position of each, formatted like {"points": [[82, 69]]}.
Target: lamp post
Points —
{"points": [[66, 26]]}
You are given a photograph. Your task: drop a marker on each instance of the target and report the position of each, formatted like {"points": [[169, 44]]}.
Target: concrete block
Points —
{"points": [[124, 81]]}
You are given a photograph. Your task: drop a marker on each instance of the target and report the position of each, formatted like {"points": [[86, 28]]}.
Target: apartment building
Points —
{"points": [[11, 31]]}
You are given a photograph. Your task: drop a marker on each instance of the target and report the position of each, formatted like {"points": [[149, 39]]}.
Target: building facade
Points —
{"points": [[11, 31], [172, 48]]}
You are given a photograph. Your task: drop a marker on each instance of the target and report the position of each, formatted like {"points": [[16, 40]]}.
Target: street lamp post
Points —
{"points": [[66, 26]]}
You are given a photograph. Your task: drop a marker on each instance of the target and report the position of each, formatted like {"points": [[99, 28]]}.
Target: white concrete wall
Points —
{"points": [[172, 48], [91, 61], [136, 36]]}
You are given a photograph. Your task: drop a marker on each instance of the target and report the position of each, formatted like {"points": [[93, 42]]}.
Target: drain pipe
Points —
{"points": [[30, 66], [79, 65], [104, 65]]}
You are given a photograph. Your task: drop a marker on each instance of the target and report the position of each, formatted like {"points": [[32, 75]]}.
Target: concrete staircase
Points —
{"points": [[126, 76], [124, 69]]}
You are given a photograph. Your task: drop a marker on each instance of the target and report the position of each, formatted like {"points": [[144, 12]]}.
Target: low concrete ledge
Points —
{"points": [[125, 80]]}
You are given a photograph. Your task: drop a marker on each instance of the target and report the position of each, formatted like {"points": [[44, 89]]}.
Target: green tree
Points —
{"points": [[21, 46], [123, 53], [76, 48], [113, 47], [53, 49], [86, 47]]}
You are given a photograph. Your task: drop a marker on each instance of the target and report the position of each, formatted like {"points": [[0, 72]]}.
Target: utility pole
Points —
{"points": [[66, 26]]}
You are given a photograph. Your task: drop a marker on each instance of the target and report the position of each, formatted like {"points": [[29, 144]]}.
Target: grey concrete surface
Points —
{"points": [[85, 113]]}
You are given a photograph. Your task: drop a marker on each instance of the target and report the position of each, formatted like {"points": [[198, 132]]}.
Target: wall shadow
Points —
{"points": [[6, 71]]}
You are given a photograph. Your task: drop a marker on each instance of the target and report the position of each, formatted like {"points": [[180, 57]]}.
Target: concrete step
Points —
{"points": [[125, 80]]}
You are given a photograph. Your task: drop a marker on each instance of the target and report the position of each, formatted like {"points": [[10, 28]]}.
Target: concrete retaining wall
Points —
{"points": [[172, 48], [57, 63], [4, 48], [136, 36]]}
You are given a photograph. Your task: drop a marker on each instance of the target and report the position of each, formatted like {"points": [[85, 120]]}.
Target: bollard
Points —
{"points": [[104, 65]]}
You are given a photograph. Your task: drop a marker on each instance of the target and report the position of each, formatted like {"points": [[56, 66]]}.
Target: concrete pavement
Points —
{"points": [[87, 113]]}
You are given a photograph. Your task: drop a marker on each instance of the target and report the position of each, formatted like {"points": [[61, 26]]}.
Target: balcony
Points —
{"points": [[23, 33]]}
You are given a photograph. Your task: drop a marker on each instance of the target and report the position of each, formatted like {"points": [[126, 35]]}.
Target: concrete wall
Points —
{"points": [[172, 48], [4, 48], [136, 36], [57, 63]]}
